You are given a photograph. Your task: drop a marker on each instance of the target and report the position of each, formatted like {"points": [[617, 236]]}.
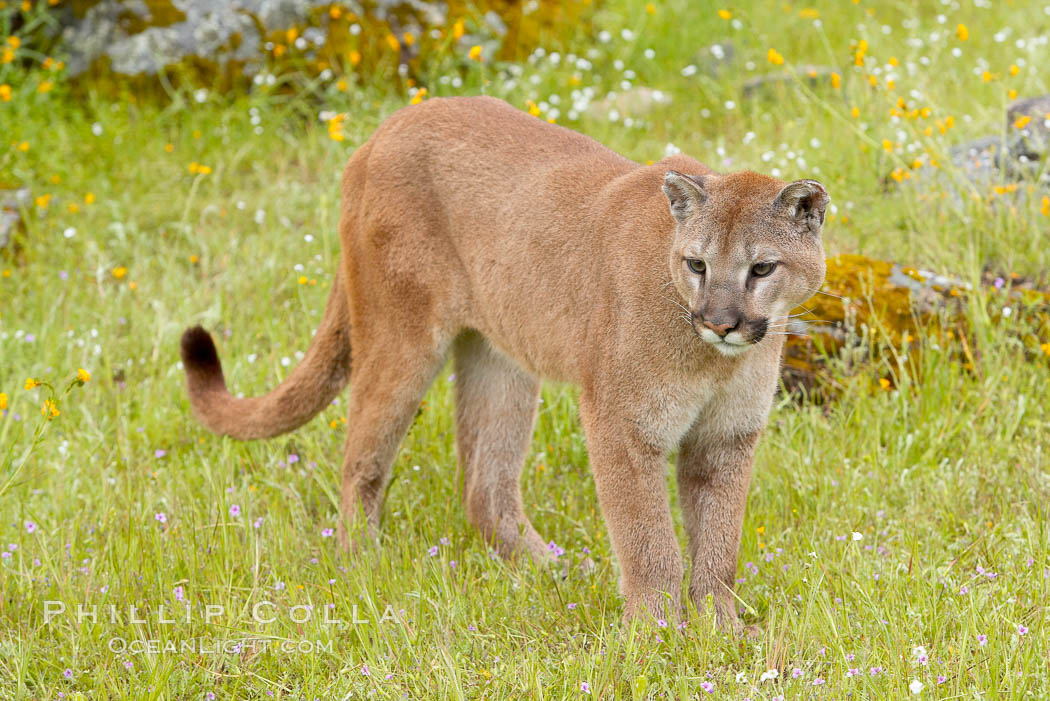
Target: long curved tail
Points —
{"points": [[323, 372]]}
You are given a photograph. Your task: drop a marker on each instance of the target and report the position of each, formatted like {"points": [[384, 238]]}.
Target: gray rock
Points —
{"points": [[217, 30], [714, 59], [1030, 144], [12, 202], [980, 160], [813, 76], [1018, 157]]}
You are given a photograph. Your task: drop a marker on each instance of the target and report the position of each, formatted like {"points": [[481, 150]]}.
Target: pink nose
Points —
{"points": [[720, 329]]}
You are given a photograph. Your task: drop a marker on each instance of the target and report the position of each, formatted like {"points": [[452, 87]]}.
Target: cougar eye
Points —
{"points": [[696, 265], [762, 269]]}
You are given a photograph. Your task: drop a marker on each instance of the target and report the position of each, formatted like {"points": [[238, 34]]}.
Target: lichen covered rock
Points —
{"points": [[872, 319]]}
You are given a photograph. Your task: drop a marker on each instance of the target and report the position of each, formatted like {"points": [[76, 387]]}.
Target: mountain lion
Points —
{"points": [[532, 252]]}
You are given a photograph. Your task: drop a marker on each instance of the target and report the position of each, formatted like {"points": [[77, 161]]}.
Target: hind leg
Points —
{"points": [[495, 413], [386, 387]]}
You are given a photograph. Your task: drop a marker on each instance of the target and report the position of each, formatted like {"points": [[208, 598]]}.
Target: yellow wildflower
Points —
{"points": [[355, 57], [858, 55], [14, 42], [341, 86], [884, 383], [168, 148], [1014, 70], [409, 38], [3, 400], [420, 95], [836, 81], [49, 409], [855, 112], [1022, 121], [5, 92], [962, 32], [475, 53], [7, 55], [119, 272], [43, 201], [45, 86], [1045, 347], [650, 8], [89, 198], [774, 57], [458, 29], [725, 14], [32, 382], [393, 43], [1046, 206], [24, 146], [887, 145], [808, 13]]}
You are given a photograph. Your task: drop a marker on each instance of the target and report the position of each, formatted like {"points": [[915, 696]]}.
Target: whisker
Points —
{"points": [[793, 316], [678, 304], [822, 292], [788, 324]]}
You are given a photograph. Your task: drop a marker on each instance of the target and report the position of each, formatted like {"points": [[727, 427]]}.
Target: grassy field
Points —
{"points": [[895, 541]]}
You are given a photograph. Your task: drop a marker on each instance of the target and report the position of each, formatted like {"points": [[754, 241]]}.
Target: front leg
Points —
{"points": [[714, 472], [630, 476]]}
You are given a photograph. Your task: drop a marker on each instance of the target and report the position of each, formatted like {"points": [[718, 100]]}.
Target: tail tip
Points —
{"points": [[198, 352]]}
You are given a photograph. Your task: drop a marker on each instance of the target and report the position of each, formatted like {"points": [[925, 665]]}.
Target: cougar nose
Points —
{"points": [[720, 329]]}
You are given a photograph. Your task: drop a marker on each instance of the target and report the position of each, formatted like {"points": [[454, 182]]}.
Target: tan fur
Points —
{"points": [[530, 251]]}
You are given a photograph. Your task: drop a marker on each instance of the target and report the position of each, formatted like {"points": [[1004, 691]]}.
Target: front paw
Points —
{"points": [[729, 623]]}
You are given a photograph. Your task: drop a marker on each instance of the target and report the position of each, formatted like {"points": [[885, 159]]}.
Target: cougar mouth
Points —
{"points": [[736, 341]]}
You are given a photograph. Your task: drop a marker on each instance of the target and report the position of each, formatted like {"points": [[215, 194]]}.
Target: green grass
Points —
{"points": [[942, 478]]}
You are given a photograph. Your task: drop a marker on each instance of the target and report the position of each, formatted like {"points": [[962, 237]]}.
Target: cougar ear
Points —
{"points": [[805, 201], [684, 192]]}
